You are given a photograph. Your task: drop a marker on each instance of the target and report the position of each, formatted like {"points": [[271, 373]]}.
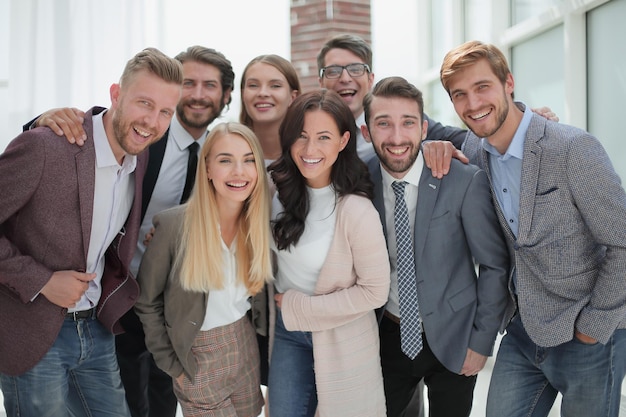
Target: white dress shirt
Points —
{"points": [[113, 197]]}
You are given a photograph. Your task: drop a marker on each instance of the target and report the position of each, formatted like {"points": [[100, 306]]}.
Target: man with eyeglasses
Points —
{"points": [[345, 65]]}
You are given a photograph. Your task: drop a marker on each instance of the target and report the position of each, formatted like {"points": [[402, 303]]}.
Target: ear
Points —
{"points": [[509, 85], [345, 138], [114, 92], [227, 96], [294, 94], [366, 133], [424, 129]]}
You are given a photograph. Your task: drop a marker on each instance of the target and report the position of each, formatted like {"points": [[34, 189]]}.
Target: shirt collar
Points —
{"points": [[181, 137], [516, 147], [104, 153], [412, 176]]}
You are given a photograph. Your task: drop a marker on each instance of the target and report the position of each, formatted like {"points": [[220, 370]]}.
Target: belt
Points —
{"points": [[81, 315], [392, 317]]}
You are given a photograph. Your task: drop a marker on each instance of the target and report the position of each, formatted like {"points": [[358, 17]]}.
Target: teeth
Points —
{"points": [[397, 151], [311, 161], [346, 92], [237, 184], [262, 106], [141, 133], [480, 115]]}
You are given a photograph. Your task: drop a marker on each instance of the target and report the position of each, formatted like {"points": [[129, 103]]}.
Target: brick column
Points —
{"points": [[313, 22]]}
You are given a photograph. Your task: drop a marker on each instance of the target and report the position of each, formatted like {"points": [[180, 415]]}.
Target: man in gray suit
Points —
{"points": [[563, 212], [453, 226]]}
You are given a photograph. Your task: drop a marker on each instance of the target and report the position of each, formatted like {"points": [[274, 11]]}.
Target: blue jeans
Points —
{"points": [[526, 378], [291, 384], [78, 376]]}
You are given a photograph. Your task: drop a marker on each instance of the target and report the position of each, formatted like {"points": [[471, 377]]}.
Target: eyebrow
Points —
{"points": [[230, 154]]}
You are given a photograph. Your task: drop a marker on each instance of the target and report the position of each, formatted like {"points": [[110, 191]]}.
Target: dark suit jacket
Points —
{"points": [[455, 226], [47, 188]]}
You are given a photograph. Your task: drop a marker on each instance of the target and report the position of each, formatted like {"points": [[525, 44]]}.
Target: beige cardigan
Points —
{"points": [[354, 280]]}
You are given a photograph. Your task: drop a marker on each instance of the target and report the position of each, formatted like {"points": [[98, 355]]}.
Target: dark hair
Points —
{"points": [[210, 56], [349, 175], [351, 43], [393, 87]]}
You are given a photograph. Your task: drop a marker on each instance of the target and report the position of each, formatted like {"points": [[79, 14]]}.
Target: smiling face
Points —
{"points": [[141, 111], [351, 89], [266, 93], [203, 98], [396, 130], [232, 170], [317, 148], [482, 101]]}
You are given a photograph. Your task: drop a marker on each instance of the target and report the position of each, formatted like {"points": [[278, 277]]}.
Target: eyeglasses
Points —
{"points": [[335, 71]]}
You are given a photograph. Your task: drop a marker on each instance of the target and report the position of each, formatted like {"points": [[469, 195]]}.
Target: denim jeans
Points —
{"points": [[78, 376], [291, 384], [526, 378]]}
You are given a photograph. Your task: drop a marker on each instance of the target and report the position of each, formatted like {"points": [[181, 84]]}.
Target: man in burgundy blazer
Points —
{"points": [[52, 360]]}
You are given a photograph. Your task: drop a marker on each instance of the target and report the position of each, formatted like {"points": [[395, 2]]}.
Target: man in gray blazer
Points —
{"points": [[563, 212], [69, 223], [454, 226]]}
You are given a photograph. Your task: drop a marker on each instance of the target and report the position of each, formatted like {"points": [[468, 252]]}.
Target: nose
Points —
{"points": [[151, 118], [473, 100], [264, 91], [345, 76], [197, 91]]}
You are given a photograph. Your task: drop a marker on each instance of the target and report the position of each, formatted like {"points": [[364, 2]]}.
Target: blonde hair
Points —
{"points": [[201, 260], [155, 62]]}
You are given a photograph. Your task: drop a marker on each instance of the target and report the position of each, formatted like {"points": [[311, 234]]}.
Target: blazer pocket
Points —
{"points": [[463, 298], [546, 192]]}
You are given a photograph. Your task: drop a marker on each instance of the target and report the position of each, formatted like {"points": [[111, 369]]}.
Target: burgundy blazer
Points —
{"points": [[46, 208]]}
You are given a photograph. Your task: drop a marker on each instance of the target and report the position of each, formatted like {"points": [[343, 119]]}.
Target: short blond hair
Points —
{"points": [[468, 54], [155, 62]]}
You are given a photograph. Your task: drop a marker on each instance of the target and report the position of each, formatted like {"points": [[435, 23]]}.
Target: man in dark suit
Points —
{"points": [[452, 226], [207, 87], [69, 222]]}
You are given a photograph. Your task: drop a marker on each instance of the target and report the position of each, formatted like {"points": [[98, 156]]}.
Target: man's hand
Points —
{"points": [[65, 288], [583, 338], [474, 362], [547, 113], [65, 121], [279, 300], [148, 237], [438, 154]]}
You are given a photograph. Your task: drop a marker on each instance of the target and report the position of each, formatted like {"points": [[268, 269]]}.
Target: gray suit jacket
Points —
{"points": [[47, 188], [455, 225], [570, 252]]}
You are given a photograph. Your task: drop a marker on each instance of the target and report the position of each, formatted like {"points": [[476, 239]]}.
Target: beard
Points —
{"points": [[501, 116], [198, 121], [397, 165], [122, 131]]}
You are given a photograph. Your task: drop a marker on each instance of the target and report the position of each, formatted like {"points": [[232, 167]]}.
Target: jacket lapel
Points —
{"points": [[530, 174], [86, 177], [427, 193]]}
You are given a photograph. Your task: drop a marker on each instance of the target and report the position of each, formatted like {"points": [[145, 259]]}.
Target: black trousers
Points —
{"points": [[449, 394], [149, 391]]}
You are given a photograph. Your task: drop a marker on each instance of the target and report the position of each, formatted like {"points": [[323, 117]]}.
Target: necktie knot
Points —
{"points": [[398, 188]]}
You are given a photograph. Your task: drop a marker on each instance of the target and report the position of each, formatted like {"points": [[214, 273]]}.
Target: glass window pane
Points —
{"points": [[606, 72], [536, 83], [442, 30], [524, 9]]}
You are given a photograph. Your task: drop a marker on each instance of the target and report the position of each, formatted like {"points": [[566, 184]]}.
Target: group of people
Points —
{"points": [[309, 247]]}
